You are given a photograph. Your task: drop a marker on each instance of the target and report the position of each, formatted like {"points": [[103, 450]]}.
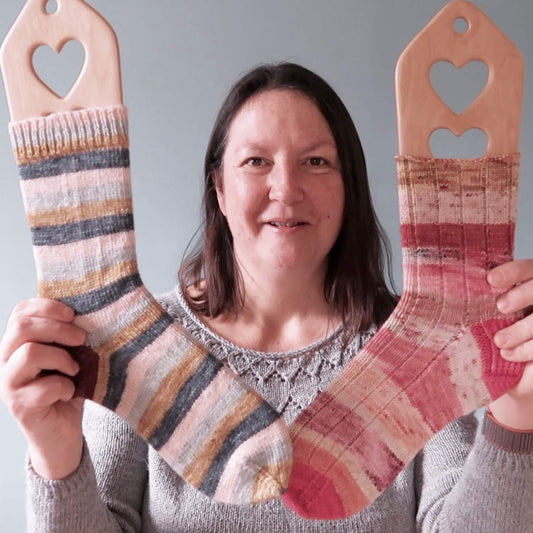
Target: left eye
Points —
{"points": [[317, 161], [255, 161]]}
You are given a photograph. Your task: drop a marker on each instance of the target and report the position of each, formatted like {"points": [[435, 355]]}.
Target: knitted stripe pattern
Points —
{"points": [[214, 431], [433, 360]]}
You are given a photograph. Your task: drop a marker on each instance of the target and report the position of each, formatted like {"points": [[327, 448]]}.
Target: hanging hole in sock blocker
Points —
{"points": [[41, 23]]}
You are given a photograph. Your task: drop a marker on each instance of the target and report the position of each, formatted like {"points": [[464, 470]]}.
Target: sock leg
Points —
{"points": [[215, 432], [433, 360]]}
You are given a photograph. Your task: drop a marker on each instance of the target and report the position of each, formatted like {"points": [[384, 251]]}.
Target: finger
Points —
{"points": [[521, 353], [52, 389], [31, 359], [29, 329], [518, 298], [39, 395], [515, 334], [511, 273], [44, 308]]}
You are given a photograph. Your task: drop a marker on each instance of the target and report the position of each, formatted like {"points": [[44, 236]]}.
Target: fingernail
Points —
{"points": [[500, 339], [506, 354], [502, 304], [495, 277]]}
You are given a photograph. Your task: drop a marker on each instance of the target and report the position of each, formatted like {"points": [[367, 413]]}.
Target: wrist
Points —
{"points": [[512, 413], [506, 438], [57, 463]]}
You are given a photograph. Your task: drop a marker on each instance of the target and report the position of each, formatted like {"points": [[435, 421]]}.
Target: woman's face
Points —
{"points": [[281, 188]]}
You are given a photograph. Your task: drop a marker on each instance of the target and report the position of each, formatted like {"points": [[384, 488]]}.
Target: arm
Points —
{"points": [[490, 486], [470, 482], [106, 491], [64, 494]]}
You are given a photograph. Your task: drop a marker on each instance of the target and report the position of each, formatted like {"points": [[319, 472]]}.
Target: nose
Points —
{"points": [[286, 184]]}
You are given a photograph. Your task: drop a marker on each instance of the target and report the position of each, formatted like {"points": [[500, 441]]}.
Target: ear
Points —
{"points": [[219, 188]]}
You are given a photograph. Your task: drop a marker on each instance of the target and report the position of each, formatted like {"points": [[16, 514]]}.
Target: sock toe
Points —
{"points": [[312, 495]]}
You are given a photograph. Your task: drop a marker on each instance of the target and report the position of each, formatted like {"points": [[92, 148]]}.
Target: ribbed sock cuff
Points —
{"points": [[492, 172], [60, 134]]}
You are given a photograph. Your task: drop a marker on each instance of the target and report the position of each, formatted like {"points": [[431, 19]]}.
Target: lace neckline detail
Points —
{"points": [[288, 381]]}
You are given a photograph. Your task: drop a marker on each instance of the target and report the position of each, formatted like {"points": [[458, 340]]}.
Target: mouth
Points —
{"points": [[279, 224]]}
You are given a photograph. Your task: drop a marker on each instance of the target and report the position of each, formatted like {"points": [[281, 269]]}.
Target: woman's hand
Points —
{"points": [[515, 408], [42, 402]]}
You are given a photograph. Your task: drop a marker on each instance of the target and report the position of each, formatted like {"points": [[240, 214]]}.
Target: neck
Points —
{"points": [[282, 312]]}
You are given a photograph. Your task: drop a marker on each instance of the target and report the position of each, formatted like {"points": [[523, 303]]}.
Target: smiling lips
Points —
{"points": [[285, 224]]}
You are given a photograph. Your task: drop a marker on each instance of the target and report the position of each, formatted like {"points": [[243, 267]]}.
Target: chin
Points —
{"points": [[294, 260], [286, 262]]}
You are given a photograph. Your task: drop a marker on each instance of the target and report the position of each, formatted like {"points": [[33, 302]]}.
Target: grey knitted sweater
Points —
{"points": [[466, 479]]}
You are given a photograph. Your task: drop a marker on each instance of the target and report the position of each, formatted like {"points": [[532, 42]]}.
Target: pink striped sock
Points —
{"points": [[434, 359]]}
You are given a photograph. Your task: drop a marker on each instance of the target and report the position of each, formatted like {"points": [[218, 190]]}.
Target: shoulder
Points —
{"points": [[173, 303]]}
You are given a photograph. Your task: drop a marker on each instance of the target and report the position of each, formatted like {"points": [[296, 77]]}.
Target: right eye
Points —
{"points": [[255, 161]]}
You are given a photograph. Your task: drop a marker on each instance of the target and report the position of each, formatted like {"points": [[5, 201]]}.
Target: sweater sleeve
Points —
{"points": [[470, 483], [105, 493]]}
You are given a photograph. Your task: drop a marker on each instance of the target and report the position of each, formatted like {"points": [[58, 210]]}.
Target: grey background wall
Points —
{"points": [[179, 58]]}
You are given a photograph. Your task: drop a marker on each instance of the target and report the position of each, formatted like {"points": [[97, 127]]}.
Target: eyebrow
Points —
{"points": [[314, 146], [250, 146], [320, 144]]}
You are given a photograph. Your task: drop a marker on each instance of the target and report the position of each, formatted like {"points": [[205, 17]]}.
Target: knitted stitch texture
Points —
{"points": [[215, 432], [434, 359], [287, 381], [455, 485]]}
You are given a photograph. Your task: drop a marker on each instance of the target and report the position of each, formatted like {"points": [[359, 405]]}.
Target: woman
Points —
{"points": [[286, 286]]}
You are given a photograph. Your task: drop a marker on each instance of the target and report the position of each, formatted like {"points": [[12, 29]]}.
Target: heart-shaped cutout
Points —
{"points": [[471, 144], [59, 71], [459, 87]]}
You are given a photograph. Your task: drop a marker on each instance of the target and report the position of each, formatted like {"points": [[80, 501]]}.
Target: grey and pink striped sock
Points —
{"points": [[219, 435], [434, 359]]}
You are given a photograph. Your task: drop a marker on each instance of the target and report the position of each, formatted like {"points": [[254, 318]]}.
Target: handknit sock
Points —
{"points": [[434, 359], [216, 433]]}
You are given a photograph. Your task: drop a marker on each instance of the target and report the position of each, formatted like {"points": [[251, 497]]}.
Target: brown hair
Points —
{"points": [[355, 281]]}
